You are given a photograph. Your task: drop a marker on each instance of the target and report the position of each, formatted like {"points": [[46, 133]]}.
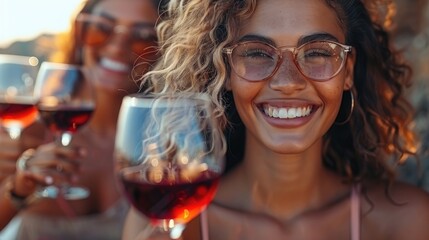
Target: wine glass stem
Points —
{"points": [[64, 139], [173, 228], [177, 230], [14, 132]]}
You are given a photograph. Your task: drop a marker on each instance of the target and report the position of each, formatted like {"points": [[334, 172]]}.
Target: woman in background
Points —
{"points": [[112, 38]]}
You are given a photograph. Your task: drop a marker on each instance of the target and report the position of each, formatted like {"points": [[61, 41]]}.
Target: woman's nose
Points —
{"points": [[288, 78]]}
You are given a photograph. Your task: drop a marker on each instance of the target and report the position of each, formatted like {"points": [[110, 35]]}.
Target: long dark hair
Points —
{"points": [[378, 134]]}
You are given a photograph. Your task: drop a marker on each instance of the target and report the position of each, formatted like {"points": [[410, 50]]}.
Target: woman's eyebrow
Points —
{"points": [[254, 37], [107, 16], [323, 36], [317, 37], [137, 24]]}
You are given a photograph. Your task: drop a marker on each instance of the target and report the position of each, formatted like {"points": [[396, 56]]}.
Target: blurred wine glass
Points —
{"points": [[17, 78], [169, 156], [65, 101]]}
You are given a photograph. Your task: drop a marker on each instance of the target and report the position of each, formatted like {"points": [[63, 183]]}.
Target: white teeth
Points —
{"points": [[282, 113], [275, 112], [287, 112], [114, 65], [291, 113], [298, 113]]}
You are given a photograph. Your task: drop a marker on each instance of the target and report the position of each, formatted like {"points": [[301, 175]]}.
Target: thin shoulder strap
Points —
{"points": [[355, 212], [204, 225]]}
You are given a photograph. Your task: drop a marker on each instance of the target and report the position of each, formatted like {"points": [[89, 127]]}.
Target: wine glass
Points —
{"points": [[169, 155], [17, 77], [65, 103]]}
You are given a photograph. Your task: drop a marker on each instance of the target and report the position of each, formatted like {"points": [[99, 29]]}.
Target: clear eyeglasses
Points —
{"points": [[258, 61]]}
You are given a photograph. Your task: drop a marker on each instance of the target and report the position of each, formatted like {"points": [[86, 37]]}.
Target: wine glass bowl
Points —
{"points": [[65, 98], [65, 102], [17, 79], [169, 156]]}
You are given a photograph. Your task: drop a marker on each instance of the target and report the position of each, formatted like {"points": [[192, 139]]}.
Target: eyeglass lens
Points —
{"points": [[95, 31], [255, 61]]}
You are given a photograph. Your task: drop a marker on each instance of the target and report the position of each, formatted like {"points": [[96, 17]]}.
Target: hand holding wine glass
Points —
{"points": [[169, 158], [66, 102], [17, 78]]}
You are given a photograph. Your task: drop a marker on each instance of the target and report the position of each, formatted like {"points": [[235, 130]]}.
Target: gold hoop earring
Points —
{"points": [[344, 101]]}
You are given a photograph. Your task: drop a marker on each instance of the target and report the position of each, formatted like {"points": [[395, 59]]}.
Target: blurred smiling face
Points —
{"points": [[119, 39]]}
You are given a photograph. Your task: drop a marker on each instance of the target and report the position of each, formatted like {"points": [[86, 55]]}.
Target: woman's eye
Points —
{"points": [[256, 53], [318, 53], [103, 27]]}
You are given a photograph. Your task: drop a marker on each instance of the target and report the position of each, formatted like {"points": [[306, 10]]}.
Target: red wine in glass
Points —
{"points": [[180, 200], [66, 102], [65, 118], [22, 114], [169, 156], [17, 79]]}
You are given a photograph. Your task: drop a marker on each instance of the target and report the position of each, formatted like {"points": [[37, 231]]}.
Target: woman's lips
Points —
{"points": [[115, 66], [287, 115]]}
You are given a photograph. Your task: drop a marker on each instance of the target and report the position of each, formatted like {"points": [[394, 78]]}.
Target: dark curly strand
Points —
{"points": [[379, 128]]}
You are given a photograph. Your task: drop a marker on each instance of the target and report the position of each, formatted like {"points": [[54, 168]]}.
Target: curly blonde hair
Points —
{"points": [[192, 38], [194, 32]]}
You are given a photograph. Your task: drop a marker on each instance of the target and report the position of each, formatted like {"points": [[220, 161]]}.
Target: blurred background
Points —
{"points": [[410, 30], [30, 27]]}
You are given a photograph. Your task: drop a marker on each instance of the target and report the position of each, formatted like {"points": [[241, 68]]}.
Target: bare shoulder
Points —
{"points": [[401, 209]]}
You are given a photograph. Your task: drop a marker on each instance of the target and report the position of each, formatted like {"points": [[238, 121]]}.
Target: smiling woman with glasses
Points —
{"points": [[311, 97], [115, 42]]}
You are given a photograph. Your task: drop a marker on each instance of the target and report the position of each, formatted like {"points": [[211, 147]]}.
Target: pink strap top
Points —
{"points": [[355, 212], [354, 216]]}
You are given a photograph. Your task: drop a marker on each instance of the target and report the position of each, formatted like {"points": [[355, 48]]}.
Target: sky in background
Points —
{"points": [[26, 19]]}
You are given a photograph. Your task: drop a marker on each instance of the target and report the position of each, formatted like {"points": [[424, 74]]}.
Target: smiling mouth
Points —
{"points": [[114, 65], [287, 112]]}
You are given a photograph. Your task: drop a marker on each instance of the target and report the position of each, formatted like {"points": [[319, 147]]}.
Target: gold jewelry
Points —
{"points": [[21, 163], [18, 201], [352, 106]]}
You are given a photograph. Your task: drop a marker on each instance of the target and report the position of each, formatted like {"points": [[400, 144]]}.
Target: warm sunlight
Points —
{"points": [[25, 19]]}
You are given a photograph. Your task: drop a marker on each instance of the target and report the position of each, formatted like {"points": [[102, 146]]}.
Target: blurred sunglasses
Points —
{"points": [[96, 30]]}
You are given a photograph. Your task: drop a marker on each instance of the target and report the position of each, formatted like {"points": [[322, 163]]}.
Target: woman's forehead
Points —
{"points": [[127, 10], [290, 20]]}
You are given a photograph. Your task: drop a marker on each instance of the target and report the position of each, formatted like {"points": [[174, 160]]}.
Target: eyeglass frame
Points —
{"points": [[117, 29], [294, 50]]}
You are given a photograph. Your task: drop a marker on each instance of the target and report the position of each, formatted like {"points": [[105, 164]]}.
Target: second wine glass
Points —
{"points": [[169, 158], [17, 78], [66, 102]]}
